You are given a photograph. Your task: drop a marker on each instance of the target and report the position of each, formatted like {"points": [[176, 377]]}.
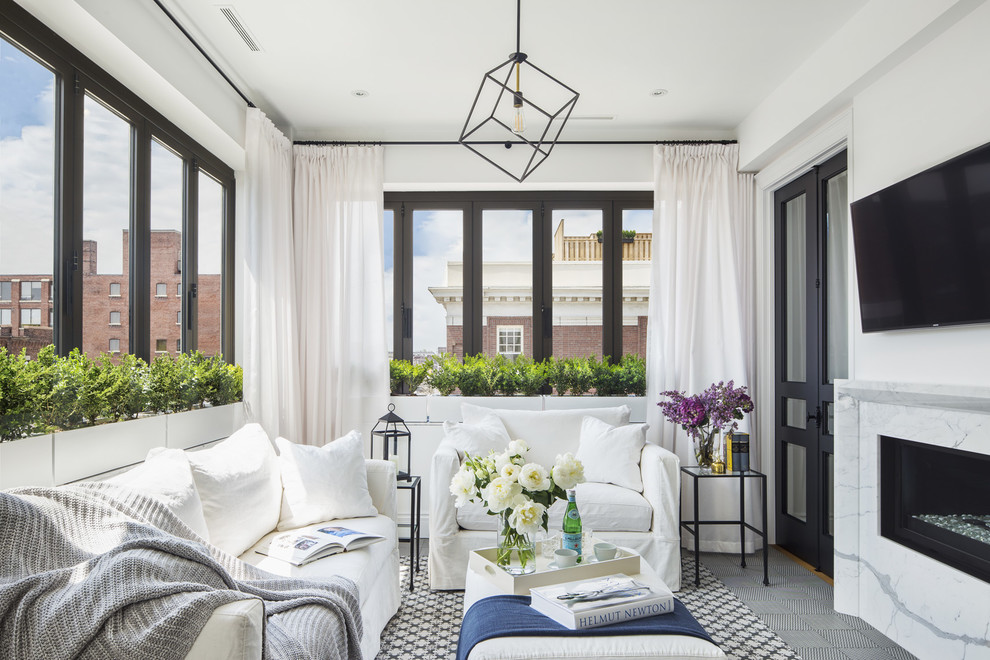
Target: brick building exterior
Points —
{"points": [[106, 309], [507, 303]]}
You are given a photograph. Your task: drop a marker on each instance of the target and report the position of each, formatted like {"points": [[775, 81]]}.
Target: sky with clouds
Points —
{"points": [[27, 160]]}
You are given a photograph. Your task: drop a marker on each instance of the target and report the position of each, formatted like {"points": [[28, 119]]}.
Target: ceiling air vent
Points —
{"points": [[231, 15]]}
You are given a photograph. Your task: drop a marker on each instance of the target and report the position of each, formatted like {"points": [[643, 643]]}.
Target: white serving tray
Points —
{"points": [[483, 563]]}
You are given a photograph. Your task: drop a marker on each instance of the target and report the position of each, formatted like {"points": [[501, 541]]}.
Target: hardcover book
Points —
{"points": [[302, 547], [601, 601]]}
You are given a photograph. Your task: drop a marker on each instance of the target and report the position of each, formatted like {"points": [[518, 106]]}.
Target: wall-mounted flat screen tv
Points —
{"points": [[923, 247]]}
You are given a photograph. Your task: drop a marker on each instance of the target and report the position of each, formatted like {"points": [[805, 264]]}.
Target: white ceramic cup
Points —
{"points": [[604, 551], [565, 557]]}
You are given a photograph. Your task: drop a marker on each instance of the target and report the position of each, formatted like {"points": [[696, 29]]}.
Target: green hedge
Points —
{"points": [[499, 376], [52, 393]]}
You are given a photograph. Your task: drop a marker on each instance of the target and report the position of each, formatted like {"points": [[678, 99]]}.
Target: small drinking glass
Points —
{"points": [[587, 540], [549, 542]]}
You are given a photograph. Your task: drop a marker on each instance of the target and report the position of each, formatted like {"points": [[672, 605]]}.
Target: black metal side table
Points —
{"points": [[413, 485], [697, 474]]}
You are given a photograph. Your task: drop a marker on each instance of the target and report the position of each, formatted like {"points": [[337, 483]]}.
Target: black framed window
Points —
{"points": [[526, 273], [111, 198]]}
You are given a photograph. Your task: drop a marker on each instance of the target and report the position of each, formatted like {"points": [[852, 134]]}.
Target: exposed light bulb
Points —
{"points": [[519, 117]]}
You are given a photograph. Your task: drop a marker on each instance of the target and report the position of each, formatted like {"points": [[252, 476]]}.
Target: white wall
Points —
{"points": [[876, 40], [569, 167], [933, 106]]}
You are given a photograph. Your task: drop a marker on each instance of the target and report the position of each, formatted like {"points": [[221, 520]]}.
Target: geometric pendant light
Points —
{"points": [[518, 114]]}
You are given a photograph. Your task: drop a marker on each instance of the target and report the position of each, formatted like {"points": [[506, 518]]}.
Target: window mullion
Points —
{"points": [[611, 282], [189, 332], [473, 291], [140, 242], [69, 202], [542, 284], [405, 250]]}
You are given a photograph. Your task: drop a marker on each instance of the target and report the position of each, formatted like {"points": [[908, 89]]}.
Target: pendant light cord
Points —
{"points": [[518, 25]]}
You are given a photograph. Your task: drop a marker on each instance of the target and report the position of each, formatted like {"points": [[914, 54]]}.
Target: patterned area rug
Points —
{"points": [[428, 622]]}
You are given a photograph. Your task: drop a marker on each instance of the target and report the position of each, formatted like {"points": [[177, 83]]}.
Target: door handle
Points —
{"points": [[816, 416]]}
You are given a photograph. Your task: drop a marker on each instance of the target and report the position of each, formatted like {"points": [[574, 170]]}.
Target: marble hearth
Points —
{"points": [[927, 607]]}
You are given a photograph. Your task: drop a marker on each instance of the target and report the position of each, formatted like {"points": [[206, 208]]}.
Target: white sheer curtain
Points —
{"points": [[701, 317], [338, 208], [271, 358]]}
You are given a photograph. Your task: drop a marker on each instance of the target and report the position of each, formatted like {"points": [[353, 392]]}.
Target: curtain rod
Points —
{"points": [[204, 53], [442, 143]]}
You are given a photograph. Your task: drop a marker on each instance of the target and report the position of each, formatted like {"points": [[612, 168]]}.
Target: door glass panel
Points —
{"points": [[209, 294], [829, 494], [388, 234], [438, 283], [637, 254], [166, 246], [577, 283], [27, 199], [106, 227], [507, 280], [829, 418], [795, 481], [795, 291], [795, 413], [836, 278]]}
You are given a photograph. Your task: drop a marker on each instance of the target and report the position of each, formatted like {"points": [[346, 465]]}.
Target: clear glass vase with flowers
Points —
{"points": [[719, 408], [520, 493]]}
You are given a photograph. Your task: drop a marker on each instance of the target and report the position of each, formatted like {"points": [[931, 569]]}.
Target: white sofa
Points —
{"points": [[233, 509], [645, 521]]}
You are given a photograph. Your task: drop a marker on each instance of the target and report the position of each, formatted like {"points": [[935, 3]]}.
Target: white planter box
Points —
{"points": [[60, 458], [637, 404], [197, 427], [93, 450], [442, 408], [411, 408], [26, 462]]}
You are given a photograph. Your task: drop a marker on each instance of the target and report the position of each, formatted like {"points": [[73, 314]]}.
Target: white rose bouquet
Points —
{"points": [[518, 491]]}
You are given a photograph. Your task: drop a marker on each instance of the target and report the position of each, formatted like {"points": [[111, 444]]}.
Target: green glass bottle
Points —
{"points": [[572, 525]]}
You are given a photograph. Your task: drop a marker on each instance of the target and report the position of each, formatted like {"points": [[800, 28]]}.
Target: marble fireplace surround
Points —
{"points": [[928, 608]]}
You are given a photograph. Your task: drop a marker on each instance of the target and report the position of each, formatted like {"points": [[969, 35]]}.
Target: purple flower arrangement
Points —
{"points": [[720, 407]]}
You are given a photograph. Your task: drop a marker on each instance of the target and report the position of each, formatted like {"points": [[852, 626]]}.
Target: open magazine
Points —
{"points": [[300, 548]]}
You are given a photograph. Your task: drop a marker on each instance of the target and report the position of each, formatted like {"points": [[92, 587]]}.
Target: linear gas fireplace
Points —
{"points": [[936, 500]]}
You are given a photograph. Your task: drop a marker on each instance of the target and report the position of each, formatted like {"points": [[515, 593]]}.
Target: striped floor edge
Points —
{"points": [[428, 622]]}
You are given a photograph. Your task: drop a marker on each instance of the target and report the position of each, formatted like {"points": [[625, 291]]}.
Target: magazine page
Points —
{"points": [[303, 546]]}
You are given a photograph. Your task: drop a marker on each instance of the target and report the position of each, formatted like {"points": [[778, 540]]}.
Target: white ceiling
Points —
{"points": [[421, 61]]}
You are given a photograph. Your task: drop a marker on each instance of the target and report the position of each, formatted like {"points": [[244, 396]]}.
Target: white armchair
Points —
{"points": [[646, 522]]}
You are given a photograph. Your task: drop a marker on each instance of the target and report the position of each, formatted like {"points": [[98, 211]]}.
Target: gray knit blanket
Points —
{"points": [[99, 571]]}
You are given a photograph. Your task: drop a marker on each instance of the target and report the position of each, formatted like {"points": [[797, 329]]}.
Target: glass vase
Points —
{"points": [[704, 449], [516, 553]]}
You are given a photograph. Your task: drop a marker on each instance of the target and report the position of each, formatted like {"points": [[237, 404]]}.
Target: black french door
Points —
{"points": [[811, 234]]}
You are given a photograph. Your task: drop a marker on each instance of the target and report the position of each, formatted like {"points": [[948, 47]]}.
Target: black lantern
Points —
{"points": [[528, 115], [390, 423]]}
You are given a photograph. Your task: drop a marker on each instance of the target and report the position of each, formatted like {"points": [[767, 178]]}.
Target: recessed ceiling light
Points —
{"points": [[360, 93], [659, 92]]}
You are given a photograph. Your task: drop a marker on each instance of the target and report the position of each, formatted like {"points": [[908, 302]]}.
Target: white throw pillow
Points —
{"points": [[323, 483], [478, 439], [239, 483], [165, 476], [610, 454]]}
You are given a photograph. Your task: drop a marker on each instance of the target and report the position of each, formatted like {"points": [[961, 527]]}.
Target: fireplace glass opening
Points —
{"points": [[937, 501]]}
